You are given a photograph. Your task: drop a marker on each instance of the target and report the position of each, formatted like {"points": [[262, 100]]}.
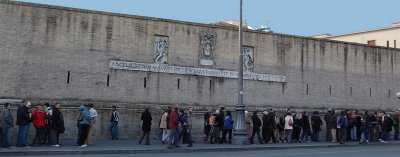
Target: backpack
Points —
{"points": [[211, 120], [290, 122]]}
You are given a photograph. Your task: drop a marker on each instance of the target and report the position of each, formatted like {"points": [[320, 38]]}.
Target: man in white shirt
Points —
{"points": [[93, 115]]}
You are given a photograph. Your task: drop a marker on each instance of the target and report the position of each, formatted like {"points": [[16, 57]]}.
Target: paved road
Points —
{"points": [[355, 151]]}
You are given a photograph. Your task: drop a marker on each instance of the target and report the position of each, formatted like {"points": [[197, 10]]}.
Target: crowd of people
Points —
{"points": [[341, 126], [48, 122], [176, 124]]}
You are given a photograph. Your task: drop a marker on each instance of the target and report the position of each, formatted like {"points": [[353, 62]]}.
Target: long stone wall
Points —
{"points": [[62, 54]]}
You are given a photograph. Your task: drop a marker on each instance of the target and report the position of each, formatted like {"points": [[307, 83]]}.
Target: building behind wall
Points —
{"points": [[76, 56], [387, 37]]}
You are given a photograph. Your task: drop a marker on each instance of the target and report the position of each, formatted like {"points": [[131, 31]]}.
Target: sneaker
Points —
{"points": [[84, 145]]}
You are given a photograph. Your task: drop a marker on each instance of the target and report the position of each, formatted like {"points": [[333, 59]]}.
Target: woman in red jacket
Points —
{"points": [[39, 122]]}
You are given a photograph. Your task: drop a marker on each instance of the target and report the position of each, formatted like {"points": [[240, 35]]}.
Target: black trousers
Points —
{"points": [[396, 131], [270, 135], [84, 129], [54, 137], [224, 132], [38, 136], [342, 135], [147, 135]]}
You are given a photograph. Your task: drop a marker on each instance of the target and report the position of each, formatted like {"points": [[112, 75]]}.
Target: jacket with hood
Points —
{"points": [[228, 122], [85, 114]]}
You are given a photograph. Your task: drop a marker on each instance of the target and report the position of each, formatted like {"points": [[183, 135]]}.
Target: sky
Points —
{"points": [[296, 17]]}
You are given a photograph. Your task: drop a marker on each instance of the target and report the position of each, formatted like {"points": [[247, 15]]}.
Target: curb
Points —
{"points": [[179, 150]]}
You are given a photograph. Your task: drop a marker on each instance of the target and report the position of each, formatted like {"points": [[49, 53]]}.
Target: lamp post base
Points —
{"points": [[240, 139]]}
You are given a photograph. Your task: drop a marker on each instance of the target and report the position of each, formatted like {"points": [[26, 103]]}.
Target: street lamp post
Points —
{"points": [[240, 131]]}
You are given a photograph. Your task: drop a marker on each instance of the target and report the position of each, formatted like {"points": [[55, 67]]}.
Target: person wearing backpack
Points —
{"points": [[114, 129], [215, 128], [83, 125], [288, 127], [281, 129], [207, 125]]}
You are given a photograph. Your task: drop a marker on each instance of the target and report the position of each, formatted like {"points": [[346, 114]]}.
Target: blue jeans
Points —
{"points": [[304, 133], [385, 135], [315, 136], [114, 131], [22, 135], [258, 136], [173, 137], [288, 135], [159, 134], [4, 137], [364, 136], [354, 133]]}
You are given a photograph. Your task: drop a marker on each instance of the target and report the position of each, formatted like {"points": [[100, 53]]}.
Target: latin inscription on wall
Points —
{"points": [[163, 68]]}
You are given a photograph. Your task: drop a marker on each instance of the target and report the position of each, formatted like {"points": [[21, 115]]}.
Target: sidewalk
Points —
{"points": [[132, 147]]}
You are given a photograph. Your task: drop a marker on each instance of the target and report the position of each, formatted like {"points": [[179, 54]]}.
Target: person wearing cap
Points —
{"points": [[6, 122], [23, 120]]}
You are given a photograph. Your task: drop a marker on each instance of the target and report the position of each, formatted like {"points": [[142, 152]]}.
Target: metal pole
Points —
{"points": [[240, 108]]}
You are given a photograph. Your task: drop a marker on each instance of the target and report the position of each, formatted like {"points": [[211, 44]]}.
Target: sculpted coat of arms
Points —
{"points": [[208, 43], [161, 50]]}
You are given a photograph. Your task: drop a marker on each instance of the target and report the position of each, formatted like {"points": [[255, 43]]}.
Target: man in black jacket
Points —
{"points": [[23, 120]]}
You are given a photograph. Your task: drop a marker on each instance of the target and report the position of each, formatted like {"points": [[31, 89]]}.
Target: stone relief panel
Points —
{"points": [[161, 50], [208, 42], [248, 58]]}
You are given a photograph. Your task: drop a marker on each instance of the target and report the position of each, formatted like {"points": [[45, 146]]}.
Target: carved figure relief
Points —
{"points": [[161, 50], [248, 58], [208, 43]]}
